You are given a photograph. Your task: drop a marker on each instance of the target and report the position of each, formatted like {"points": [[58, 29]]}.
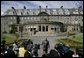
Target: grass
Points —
{"points": [[71, 33], [71, 43], [75, 42], [9, 38], [78, 38]]}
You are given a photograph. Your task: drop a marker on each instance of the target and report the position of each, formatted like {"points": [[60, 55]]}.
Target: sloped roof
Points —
{"points": [[52, 11]]}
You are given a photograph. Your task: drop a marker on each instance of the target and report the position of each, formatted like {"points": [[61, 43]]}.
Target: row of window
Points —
{"points": [[8, 18], [35, 18], [28, 18], [43, 28], [74, 28], [51, 17], [32, 29], [22, 13]]}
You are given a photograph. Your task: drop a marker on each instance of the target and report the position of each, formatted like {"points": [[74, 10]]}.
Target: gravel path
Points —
{"points": [[39, 39]]}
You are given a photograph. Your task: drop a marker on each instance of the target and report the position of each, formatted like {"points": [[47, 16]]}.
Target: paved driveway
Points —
{"points": [[52, 41]]}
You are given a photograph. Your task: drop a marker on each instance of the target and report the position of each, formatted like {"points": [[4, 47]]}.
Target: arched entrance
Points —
{"points": [[44, 16], [43, 13]]}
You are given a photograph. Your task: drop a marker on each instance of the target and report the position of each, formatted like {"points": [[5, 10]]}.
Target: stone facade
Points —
{"points": [[50, 20]]}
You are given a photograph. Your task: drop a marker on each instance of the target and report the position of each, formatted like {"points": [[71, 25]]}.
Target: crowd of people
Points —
{"points": [[28, 49]]}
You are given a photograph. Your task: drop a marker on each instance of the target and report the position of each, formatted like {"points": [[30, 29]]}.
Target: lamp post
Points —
{"points": [[21, 29], [17, 19]]}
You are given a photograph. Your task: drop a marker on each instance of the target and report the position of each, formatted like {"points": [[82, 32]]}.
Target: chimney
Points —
{"points": [[40, 8], [21, 13], [14, 10], [24, 7], [61, 7], [12, 7], [46, 8], [79, 9]]}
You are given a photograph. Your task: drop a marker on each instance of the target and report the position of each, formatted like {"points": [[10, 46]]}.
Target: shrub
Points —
{"points": [[71, 33], [17, 35], [74, 36]]}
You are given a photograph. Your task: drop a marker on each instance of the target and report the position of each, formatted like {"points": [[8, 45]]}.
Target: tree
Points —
{"points": [[13, 29]]}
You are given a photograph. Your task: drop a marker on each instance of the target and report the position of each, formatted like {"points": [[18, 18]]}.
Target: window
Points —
{"points": [[25, 18], [14, 17], [52, 28], [46, 28], [21, 18], [11, 18], [31, 29], [55, 29], [60, 12], [25, 29], [54, 9], [27, 13], [43, 28], [39, 28], [21, 13], [77, 28], [34, 28], [67, 12], [11, 22], [13, 13], [74, 28]]}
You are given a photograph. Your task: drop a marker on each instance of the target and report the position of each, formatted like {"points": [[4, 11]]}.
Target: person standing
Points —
{"points": [[75, 54], [46, 45], [35, 50], [22, 51], [29, 42], [9, 53], [15, 48], [29, 45]]}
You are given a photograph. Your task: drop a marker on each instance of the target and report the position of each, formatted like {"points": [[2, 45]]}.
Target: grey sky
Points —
{"points": [[35, 4]]}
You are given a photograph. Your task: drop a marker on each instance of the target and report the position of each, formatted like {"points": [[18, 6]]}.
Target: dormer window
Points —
{"points": [[21, 13], [42, 13], [13, 13], [27, 13]]}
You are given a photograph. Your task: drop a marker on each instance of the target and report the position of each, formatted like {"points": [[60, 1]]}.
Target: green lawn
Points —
{"points": [[74, 42], [78, 38], [9, 38]]}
